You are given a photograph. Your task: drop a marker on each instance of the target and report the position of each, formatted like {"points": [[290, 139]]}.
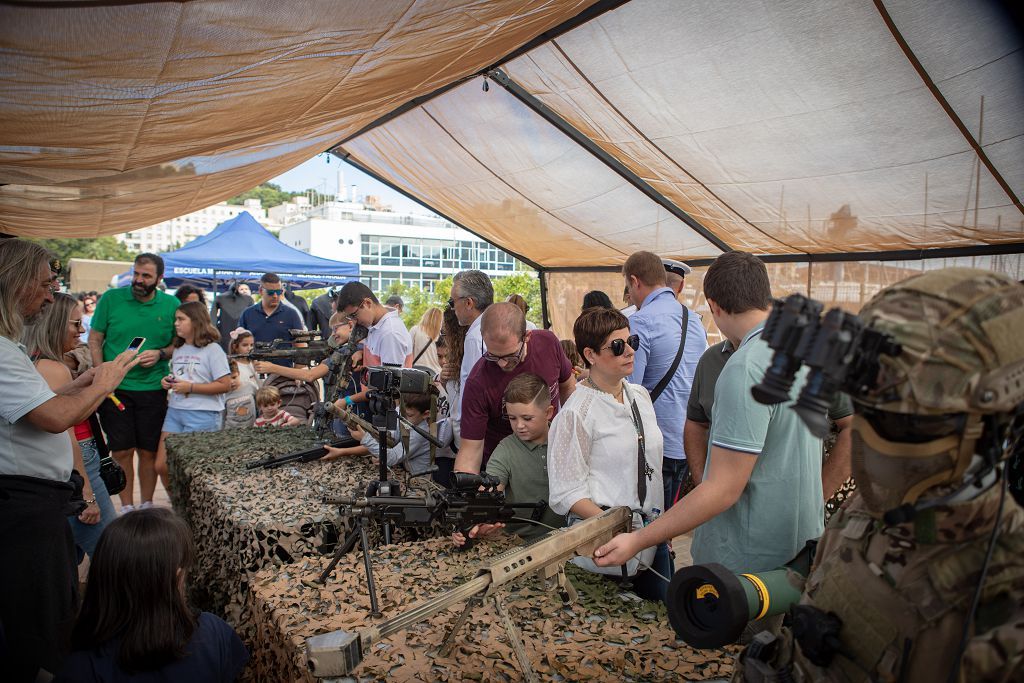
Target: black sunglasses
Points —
{"points": [[618, 346]]}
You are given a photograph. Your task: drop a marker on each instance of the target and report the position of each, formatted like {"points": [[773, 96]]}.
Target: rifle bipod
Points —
{"points": [[515, 638], [360, 535]]}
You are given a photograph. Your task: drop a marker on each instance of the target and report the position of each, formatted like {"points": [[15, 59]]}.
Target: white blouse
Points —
{"points": [[592, 451]]}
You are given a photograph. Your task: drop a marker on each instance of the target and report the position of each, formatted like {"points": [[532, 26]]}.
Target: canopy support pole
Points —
{"points": [[545, 320], [573, 133]]}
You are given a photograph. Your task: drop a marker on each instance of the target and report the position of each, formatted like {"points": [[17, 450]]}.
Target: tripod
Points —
{"points": [[357, 535]]}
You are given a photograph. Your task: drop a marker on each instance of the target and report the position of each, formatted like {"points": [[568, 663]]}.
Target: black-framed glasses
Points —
{"points": [[508, 358], [618, 346]]}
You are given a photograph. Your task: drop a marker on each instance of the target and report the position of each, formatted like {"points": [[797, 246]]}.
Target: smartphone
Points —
{"points": [[136, 344]]}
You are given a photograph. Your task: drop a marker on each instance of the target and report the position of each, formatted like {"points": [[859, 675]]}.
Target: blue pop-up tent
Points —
{"points": [[242, 249]]}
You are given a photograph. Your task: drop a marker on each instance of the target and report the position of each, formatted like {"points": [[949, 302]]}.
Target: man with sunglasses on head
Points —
{"points": [[672, 340], [511, 351], [270, 318]]}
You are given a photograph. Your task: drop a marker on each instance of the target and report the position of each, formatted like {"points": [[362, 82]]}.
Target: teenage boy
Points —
{"points": [[520, 461], [387, 342], [417, 459]]}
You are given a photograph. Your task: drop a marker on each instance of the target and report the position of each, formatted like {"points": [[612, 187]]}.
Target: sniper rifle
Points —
{"points": [[284, 349], [339, 652], [308, 455]]}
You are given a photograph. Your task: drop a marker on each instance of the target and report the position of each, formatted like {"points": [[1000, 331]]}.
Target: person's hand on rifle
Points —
{"points": [[339, 453], [357, 361], [356, 432], [263, 367], [479, 532]]}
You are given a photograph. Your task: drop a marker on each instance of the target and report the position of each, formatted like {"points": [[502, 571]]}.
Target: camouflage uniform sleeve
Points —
{"points": [[995, 655]]}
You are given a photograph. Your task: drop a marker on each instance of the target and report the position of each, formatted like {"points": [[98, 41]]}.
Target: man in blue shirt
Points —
{"points": [[659, 324], [270, 319]]}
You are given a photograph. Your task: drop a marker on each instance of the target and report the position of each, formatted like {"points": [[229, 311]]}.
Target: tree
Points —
{"points": [[269, 195], [526, 284], [98, 248]]}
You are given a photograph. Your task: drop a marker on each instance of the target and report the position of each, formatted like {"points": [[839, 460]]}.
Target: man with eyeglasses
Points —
{"points": [[511, 351], [672, 340], [269, 318], [472, 293]]}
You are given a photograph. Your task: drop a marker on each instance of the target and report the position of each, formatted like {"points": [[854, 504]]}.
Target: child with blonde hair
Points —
{"points": [[268, 400]]}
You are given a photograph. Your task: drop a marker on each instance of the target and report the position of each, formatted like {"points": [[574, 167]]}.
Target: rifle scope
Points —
{"points": [[709, 606]]}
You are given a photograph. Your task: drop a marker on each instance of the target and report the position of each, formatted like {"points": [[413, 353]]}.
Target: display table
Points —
{"points": [[244, 521], [602, 637]]}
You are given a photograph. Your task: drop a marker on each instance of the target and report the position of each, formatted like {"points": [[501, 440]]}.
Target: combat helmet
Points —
{"points": [[962, 336]]}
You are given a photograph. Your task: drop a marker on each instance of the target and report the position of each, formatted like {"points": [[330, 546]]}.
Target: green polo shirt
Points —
{"points": [[523, 469], [120, 317], [782, 506]]}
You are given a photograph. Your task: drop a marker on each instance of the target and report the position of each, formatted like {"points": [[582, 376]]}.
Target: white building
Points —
{"points": [[179, 231], [393, 247]]}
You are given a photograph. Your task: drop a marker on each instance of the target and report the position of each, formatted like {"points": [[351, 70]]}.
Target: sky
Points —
{"points": [[318, 174]]}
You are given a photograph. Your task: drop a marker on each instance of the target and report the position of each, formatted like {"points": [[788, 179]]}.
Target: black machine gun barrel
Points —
{"points": [[285, 349], [308, 455]]}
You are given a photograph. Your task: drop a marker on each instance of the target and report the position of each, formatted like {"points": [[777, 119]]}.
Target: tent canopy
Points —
{"points": [[839, 130], [235, 247]]}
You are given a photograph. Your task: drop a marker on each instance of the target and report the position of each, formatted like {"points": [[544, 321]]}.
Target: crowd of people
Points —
{"points": [[634, 410]]}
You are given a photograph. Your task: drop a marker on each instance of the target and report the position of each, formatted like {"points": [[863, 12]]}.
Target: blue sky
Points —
{"points": [[317, 173]]}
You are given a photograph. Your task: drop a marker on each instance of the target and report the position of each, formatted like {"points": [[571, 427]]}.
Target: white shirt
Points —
{"points": [[530, 326], [473, 350], [389, 340], [197, 365], [628, 310], [24, 449], [592, 451]]}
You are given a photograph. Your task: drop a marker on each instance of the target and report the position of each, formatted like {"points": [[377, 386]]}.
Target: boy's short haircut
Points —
{"points": [[646, 267], [420, 402], [738, 282], [267, 396], [233, 367], [528, 388], [337, 319], [353, 294]]}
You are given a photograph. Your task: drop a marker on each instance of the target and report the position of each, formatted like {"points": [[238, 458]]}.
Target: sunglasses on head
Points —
{"points": [[618, 346]]}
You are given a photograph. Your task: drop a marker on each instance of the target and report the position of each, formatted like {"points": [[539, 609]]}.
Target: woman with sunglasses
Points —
{"points": [[605, 446]]}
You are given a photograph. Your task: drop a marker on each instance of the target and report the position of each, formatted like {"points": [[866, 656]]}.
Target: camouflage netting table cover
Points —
{"points": [[247, 520], [602, 637]]}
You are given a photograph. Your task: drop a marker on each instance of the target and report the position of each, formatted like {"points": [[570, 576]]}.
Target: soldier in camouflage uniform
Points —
{"points": [[899, 564]]}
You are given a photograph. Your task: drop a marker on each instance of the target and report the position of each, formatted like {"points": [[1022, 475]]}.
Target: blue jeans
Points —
{"points": [[179, 421], [673, 476], [86, 535]]}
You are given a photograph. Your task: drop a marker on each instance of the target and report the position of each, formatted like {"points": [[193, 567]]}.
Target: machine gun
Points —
{"points": [[339, 652], [315, 351], [473, 499], [308, 455]]}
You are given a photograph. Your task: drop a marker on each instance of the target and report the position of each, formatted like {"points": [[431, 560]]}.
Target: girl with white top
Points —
{"points": [[595, 456], [199, 379], [240, 403], [424, 340]]}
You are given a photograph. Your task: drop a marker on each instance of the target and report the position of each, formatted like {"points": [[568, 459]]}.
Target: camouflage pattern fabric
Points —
{"points": [[602, 637], [244, 521]]}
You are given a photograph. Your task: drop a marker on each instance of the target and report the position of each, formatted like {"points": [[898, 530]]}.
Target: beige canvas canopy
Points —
{"points": [[873, 135]]}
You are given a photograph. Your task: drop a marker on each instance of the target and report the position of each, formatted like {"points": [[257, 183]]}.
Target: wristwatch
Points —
{"points": [[163, 354]]}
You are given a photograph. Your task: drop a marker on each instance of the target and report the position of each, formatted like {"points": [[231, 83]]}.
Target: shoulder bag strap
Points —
{"points": [[675, 363], [643, 471], [422, 351]]}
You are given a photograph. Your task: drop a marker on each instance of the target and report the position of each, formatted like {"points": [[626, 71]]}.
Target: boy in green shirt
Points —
{"points": [[520, 461]]}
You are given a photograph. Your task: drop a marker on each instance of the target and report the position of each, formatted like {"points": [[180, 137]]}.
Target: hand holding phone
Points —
{"points": [[136, 344]]}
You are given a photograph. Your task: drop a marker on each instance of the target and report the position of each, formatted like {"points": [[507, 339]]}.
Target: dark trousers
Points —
{"points": [[649, 585], [38, 577], [673, 475]]}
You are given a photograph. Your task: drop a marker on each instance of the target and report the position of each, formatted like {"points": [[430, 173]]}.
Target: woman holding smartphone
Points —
{"points": [[199, 379]]}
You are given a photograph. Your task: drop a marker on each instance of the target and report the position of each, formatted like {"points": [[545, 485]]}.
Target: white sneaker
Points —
{"points": [[146, 504], [125, 509]]}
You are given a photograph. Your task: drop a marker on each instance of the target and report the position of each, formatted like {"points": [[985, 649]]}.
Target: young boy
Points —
{"points": [[417, 411], [519, 461], [268, 400]]}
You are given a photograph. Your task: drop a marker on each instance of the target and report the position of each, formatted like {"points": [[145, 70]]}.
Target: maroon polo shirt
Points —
{"points": [[483, 405]]}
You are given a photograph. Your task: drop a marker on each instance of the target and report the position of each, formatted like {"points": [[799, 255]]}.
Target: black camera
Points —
{"points": [[392, 381], [840, 350]]}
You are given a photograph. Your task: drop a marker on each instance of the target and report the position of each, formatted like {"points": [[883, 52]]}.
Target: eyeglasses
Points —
{"points": [[509, 359], [351, 317], [274, 292], [77, 323], [618, 346], [452, 300]]}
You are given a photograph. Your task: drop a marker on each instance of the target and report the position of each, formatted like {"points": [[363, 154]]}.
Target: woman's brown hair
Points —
{"points": [[571, 352], [136, 591], [593, 327], [203, 331]]}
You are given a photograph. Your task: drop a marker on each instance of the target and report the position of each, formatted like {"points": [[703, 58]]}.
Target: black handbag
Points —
{"points": [[111, 473]]}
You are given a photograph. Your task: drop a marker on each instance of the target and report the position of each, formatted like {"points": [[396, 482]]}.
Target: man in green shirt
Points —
{"points": [[835, 470], [135, 421], [761, 498]]}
